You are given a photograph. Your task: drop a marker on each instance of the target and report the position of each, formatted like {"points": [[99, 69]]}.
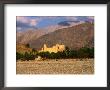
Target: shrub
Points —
{"points": [[28, 56], [27, 45], [81, 53], [19, 55]]}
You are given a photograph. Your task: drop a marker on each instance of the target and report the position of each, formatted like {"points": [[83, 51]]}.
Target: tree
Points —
{"points": [[72, 54], [34, 51], [52, 55], [67, 48], [27, 45], [28, 56], [91, 52], [19, 55], [67, 53], [86, 52]]}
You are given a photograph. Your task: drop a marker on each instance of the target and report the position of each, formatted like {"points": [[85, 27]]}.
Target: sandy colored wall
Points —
{"points": [[55, 48]]}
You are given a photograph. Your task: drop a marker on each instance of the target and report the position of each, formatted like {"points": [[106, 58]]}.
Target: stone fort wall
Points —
{"points": [[54, 49]]}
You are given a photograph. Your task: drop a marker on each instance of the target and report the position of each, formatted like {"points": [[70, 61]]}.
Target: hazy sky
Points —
{"points": [[35, 22]]}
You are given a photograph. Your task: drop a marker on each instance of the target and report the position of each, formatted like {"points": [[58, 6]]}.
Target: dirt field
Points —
{"points": [[67, 66]]}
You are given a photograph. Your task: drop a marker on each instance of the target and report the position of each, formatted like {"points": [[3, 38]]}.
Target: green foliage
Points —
{"points": [[33, 50], [67, 48], [86, 52], [27, 45], [25, 56], [45, 54], [28, 56], [81, 53], [19, 55]]}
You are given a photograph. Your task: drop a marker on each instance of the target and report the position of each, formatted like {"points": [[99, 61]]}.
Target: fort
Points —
{"points": [[55, 49]]}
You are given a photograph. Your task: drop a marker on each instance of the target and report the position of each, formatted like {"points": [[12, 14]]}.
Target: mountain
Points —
{"points": [[74, 37], [30, 35], [24, 37], [68, 23]]}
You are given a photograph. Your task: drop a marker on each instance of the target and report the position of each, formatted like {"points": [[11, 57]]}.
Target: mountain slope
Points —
{"points": [[24, 37], [30, 35], [74, 37]]}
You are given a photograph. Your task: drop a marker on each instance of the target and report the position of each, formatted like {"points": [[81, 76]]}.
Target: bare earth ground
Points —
{"points": [[66, 66]]}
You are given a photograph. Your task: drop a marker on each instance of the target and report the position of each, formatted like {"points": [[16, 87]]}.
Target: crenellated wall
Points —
{"points": [[54, 49]]}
